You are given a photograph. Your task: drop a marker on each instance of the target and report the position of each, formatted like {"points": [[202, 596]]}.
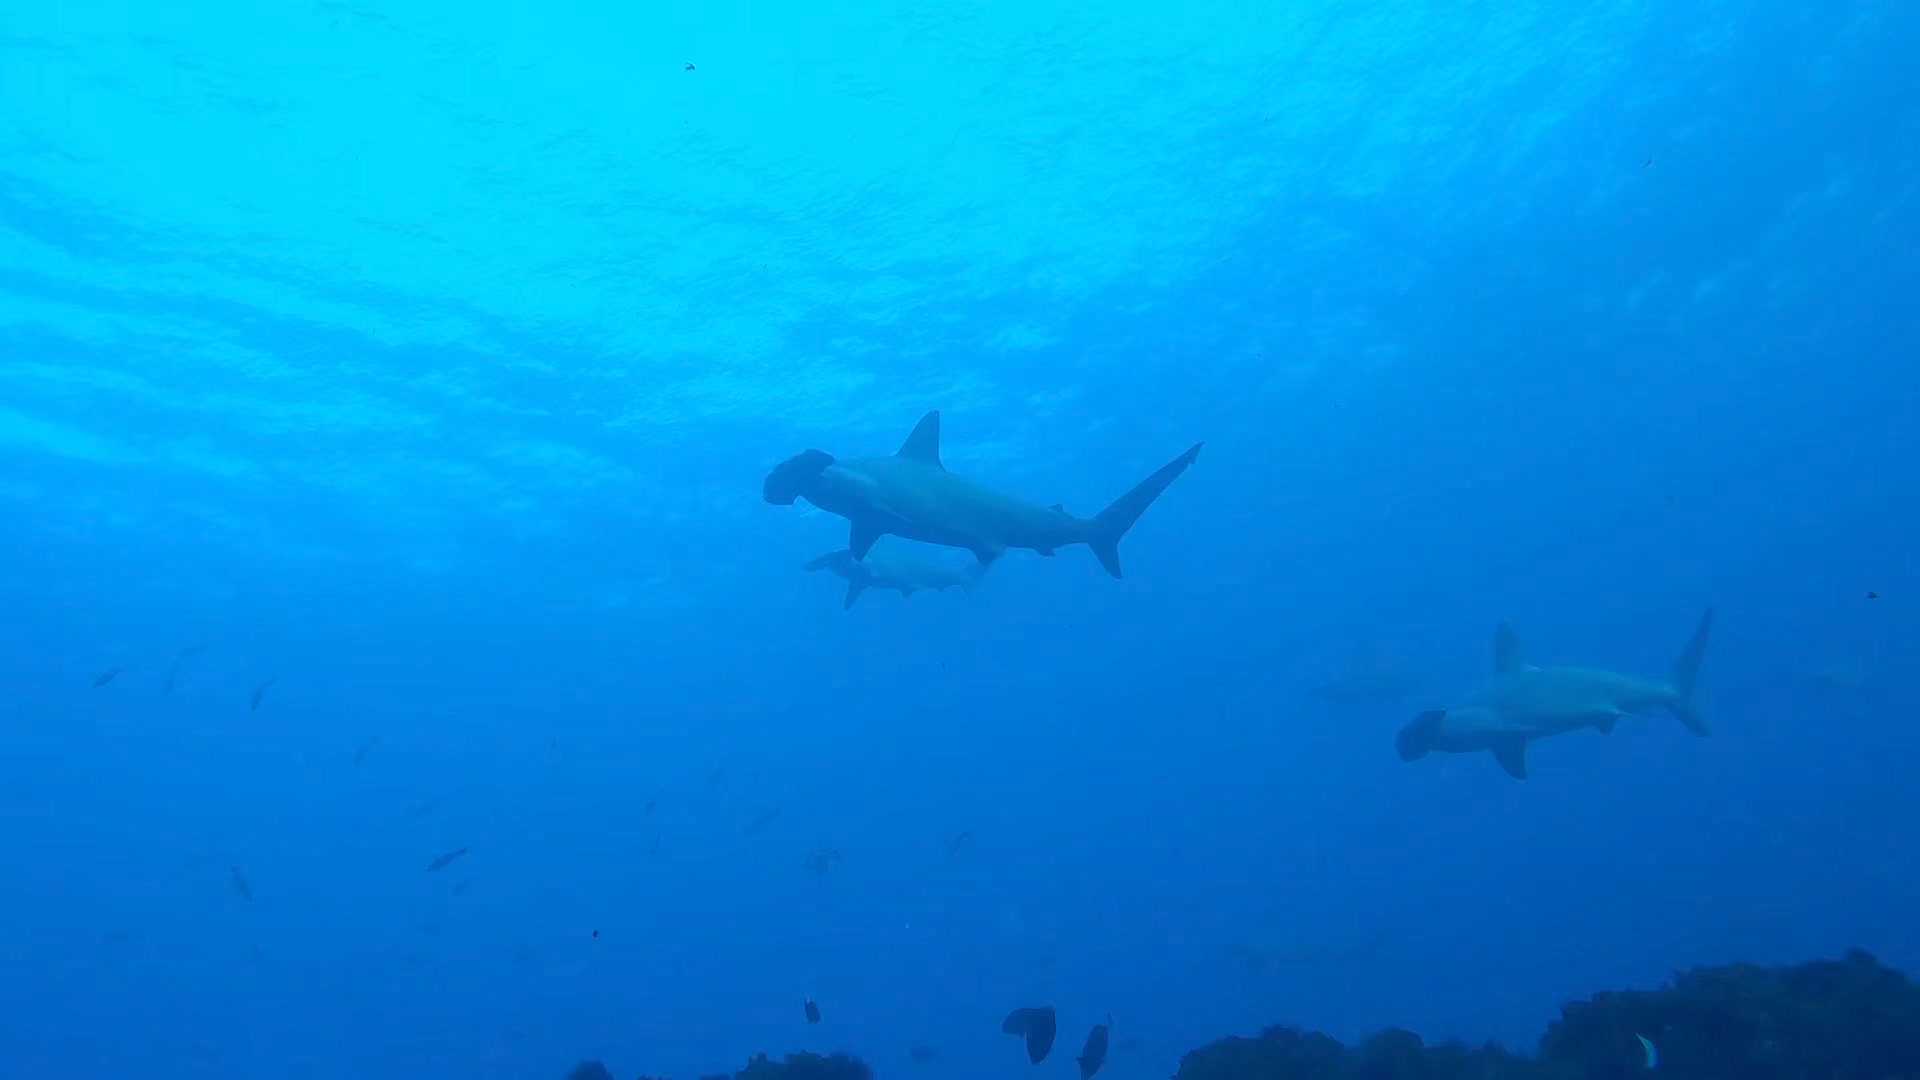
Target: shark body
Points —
{"points": [[1524, 703], [911, 494], [890, 567]]}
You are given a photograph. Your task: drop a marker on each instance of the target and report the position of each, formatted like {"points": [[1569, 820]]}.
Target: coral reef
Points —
{"points": [[1853, 1018]]}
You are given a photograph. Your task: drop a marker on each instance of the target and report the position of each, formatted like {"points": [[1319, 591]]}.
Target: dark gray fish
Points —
{"points": [[260, 694], [652, 805], [1094, 1053], [714, 779], [422, 809], [444, 861], [762, 820], [654, 848], [194, 650], [959, 841], [240, 884], [173, 675], [924, 1055], [1037, 1026], [820, 861], [106, 677], [366, 748], [813, 1012], [460, 887]]}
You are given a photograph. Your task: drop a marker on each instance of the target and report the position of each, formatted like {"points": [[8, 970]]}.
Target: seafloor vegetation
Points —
{"points": [[1851, 1018]]}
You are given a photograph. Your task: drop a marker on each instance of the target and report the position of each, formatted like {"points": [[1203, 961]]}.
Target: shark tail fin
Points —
{"points": [[1416, 739], [1686, 674], [1109, 525]]}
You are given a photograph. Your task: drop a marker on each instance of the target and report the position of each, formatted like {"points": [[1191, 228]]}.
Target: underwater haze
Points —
{"points": [[387, 390]]}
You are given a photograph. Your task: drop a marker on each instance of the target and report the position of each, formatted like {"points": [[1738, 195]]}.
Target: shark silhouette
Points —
{"points": [[911, 494], [888, 566], [1524, 703]]}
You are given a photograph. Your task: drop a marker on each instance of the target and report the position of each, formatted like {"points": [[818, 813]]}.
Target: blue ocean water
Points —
{"points": [[386, 390]]}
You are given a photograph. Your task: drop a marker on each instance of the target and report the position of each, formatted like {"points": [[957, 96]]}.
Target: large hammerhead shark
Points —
{"points": [[911, 494], [1524, 702]]}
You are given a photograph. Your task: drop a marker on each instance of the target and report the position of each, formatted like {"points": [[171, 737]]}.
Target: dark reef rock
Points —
{"points": [[1847, 1019], [1850, 1018], [806, 1067]]}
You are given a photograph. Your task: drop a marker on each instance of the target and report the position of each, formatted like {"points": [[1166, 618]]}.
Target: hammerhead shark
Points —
{"points": [[911, 494], [889, 566], [1524, 702]]}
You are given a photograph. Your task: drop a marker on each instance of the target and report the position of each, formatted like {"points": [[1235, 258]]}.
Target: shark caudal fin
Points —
{"points": [[1686, 674], [1417, 738], [1108, 526]]}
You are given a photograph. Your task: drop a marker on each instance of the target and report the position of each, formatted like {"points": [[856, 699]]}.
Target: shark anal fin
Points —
{"points": [[854, 589], [1512, 755], [860, 539], [827, 560], [1507, 654], [923, 445], [1605, 721]]}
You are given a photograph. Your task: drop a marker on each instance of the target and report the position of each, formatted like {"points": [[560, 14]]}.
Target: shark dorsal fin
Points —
{"points": [[1507, 654], [923, 445]]}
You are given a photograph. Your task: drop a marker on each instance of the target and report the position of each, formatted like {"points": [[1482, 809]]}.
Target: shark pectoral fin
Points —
{"points": [[1511, 753], [924, 444], [986, 553], [908, 591], [861, 537], [1507, 654], [854, 589]]}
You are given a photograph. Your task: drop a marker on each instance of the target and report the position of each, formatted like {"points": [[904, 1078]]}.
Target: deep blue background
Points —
{"points": [[428, 360]]}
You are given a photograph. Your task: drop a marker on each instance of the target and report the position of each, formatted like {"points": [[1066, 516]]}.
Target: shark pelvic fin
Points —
{"points": [[986, 552], [1686, 673], [1508, 657], [860, 538], [829, 559], [908, 590], [854, 589], [1107, 527], [1511, 753], [923, 445]]}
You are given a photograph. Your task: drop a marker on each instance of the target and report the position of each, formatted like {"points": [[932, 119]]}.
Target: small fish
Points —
{"points": [[654, 848], [106, 677], [762, 820], [1094, 1053], [652, 805], [173, 675], [1870, 596], [813, 1012], [446, 860], [194, 650], [422, 809], [959, 841], [1037, 1026], [820, 862], [596, 935], [553, 747], [1652, 1054], [260, 694], [689, 65], [460, 887], [922, 1054], [366, 748], [240, 884]]}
